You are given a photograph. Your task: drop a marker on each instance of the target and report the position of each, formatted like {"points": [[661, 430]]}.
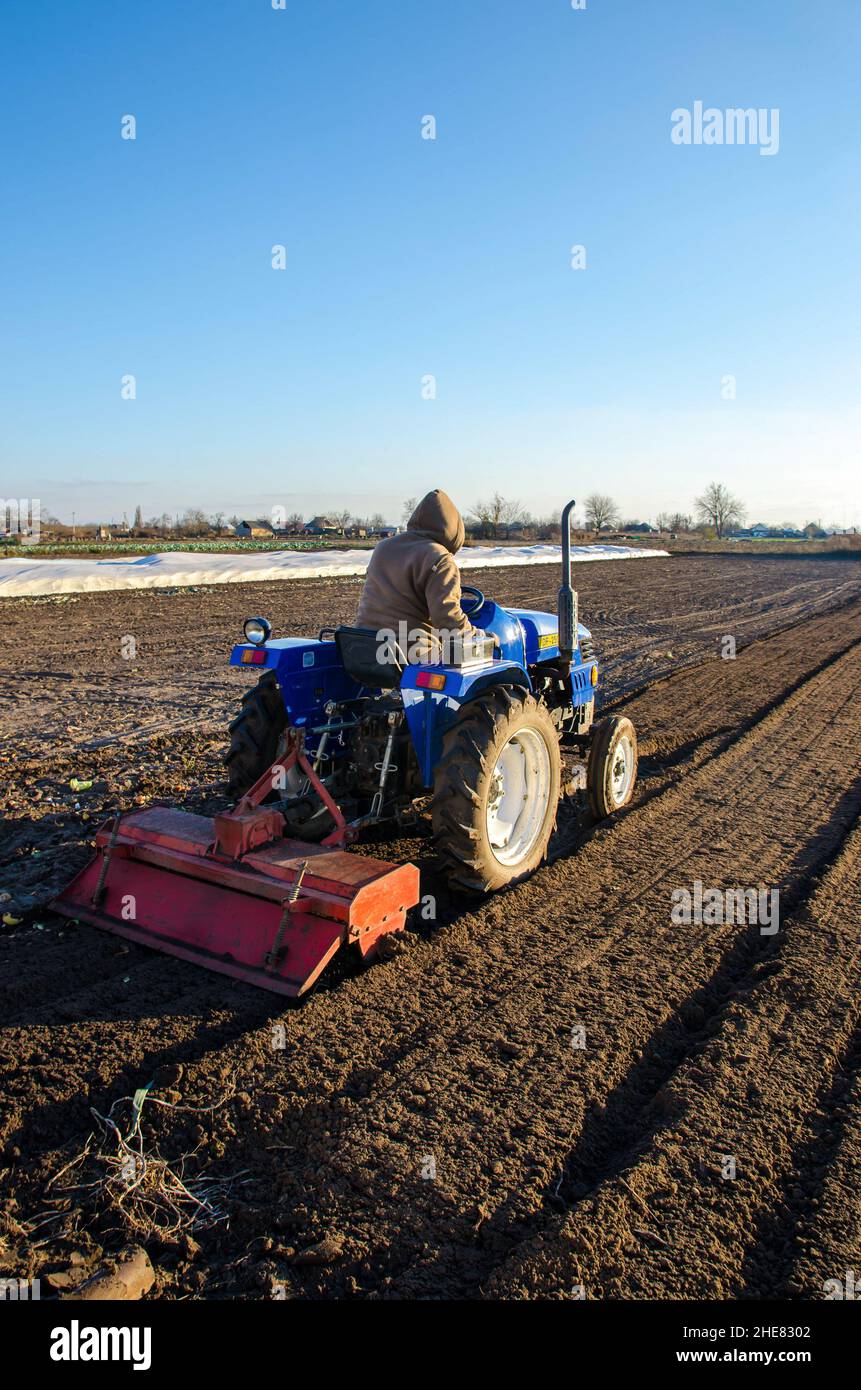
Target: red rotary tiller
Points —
{"points": [[233, 894]]}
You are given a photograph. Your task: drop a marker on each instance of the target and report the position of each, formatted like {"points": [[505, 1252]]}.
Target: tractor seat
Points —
{"points": [[358, 648]]}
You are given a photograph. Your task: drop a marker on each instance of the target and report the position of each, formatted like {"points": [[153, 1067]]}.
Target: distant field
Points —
{"points": [[777, 545], [53, 550]]}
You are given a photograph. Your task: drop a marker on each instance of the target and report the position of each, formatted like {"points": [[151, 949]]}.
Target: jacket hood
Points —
{"points": [[438, 518]]}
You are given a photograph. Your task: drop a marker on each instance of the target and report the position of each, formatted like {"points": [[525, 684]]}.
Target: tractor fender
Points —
{"points": [[503, 673], [308, 671], [430, 713]]}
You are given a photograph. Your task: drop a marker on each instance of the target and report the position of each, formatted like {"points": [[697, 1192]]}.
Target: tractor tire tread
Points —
{"points": [[479, 729], [254, 734]]}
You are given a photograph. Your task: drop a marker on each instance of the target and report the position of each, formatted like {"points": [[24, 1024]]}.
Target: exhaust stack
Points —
{"points": [[567, 598]]}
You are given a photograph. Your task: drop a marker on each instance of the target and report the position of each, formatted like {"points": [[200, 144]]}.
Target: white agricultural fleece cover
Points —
{"points": [[180, 569]]}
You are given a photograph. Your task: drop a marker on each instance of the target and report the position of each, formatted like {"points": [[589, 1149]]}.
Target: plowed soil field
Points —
{"points": [[559, 1092]]}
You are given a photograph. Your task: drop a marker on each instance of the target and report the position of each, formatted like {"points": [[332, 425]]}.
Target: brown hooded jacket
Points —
{"points": [[412, 578]]}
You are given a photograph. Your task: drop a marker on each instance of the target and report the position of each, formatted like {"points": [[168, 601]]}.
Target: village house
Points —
{"points": [[255, 530]]}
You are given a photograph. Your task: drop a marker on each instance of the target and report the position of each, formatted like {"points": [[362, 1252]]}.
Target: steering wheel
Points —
{"points": [[475, 597]]}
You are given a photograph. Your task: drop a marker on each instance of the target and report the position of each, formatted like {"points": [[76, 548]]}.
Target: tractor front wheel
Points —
{"points": [[612, 767], [496, 790]]}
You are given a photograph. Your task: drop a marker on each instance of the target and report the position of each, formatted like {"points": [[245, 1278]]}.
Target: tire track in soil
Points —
{"points": [[688, 976], [826, 1230], [776, 1084], [694, 714], [619, 924], [825, 1162], [835, 630]]}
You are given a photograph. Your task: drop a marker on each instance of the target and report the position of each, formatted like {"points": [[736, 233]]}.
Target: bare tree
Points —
{"points": [[194, 522], [513, 514], [295, 521], [491, 516], [377, 521], [601, 511], [342, 520], [718, 507], [674, 521], [408, 508], [479, 518]]}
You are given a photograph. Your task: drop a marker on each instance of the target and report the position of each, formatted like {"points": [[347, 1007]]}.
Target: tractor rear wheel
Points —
{"points": [[612, 768], [496, 790], [255, 734]]}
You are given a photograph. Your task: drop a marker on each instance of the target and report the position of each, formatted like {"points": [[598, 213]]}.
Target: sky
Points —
{"points": [[428, 328]]}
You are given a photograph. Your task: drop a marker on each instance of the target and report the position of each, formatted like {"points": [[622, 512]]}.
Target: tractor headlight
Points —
{"points": [[257, 630]]}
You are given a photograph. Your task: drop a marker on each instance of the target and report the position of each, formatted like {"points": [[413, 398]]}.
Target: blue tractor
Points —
{"points": [[343, 732], [477, 739]]}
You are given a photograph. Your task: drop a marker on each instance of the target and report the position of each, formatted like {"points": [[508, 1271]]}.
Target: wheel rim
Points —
{"points": [[519, 792], [621, 770]]}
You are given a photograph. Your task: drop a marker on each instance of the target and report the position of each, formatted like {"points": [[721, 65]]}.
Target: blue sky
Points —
{"points": [[408, 257]]}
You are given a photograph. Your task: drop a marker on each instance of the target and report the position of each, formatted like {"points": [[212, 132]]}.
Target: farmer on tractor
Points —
{"points": [[412, 585]]}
